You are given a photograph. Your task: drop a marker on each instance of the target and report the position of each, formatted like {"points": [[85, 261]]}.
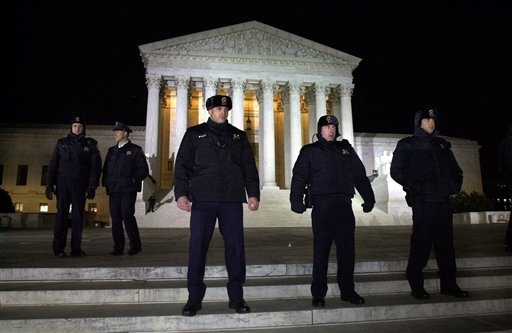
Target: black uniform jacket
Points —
{"points": [[125, 168], [215, 163], [424, 164], [77, 159], [330, 168]]}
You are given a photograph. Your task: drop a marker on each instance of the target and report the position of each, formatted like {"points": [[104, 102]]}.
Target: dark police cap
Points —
{"points": [[122, 127], [77, 120], [428, 113], [425, 113], [218, 100], [327, 120]]}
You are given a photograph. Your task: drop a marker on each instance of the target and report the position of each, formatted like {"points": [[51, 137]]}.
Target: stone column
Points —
{"points": [[181, 109], [209, 90], [287, 132], [267, 138], [312, 116], [153, 83], [172, 118], [295, 127], [321, 106], [237, 113], [336, 104], [347, 127]]}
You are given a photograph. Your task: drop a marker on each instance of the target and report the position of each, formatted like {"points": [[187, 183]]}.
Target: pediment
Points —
{"points": [[248, 42]]}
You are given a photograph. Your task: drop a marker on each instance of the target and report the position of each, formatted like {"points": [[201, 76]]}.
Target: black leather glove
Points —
{"points": [[91, 193], [50, 190], [410, 196], [298, 207], [367, 206]]}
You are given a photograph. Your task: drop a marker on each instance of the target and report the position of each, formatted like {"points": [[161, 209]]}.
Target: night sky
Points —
{"points": [[81, 57]]}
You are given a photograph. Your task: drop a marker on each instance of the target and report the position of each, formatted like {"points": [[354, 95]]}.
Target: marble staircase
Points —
{"points": [[149, 299], [274, 211]]}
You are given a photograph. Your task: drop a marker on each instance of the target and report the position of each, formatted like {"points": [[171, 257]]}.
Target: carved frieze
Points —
{"points": [[251, 42]]}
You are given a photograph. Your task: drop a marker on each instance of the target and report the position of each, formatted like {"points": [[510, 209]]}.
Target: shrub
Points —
{"points": [[473, 202], [6, 205]]}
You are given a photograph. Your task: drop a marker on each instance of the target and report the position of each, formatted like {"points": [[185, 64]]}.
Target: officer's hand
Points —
{"points": [[253, 203], [367, 206], [298, 207], [184, 203], [91, 193], [50, 190]]}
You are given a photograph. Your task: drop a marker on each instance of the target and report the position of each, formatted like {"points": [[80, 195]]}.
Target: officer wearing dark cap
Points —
{"points": [[123, 172], [73, 175], [331, 169], [425, 166], [215, 173]]}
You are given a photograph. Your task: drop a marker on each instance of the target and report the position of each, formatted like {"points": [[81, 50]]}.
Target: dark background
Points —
{"points": [[81, 57]]}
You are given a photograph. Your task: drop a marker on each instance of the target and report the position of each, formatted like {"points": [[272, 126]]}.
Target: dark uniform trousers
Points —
{"points": [[333, 220], [122, 208], [432, 224], [68, 193], [202, 225]]}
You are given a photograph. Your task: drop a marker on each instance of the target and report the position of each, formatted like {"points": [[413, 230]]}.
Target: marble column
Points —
{"points": [[153, 83], [268, 138], [237, 112], [335, 97], [287, 132], [312, 116], [295, 128], [321, 106], [172, 117], [209, 90], [181, 109], [347, 127]]}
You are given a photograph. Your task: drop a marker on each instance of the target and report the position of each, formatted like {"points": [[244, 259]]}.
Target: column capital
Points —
{"points": [[295, 87], [268, 85], [153, 81], [237, 83], [346, 91], [321, 88], [182, 82], [210, 83]]}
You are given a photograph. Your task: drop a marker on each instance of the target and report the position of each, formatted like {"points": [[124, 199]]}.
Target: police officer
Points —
{"points": [[215, 168], [123, 172], [73, 175], [425, 166], [331, 169]]}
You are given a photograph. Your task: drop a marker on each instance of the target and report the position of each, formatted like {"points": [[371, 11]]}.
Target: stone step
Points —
{"points": [[166, 317], [264, 270], [156, 291], [496, 323]]}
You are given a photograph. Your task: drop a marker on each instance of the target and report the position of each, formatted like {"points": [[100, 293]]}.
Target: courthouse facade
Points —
{"points": [[280, 85]]}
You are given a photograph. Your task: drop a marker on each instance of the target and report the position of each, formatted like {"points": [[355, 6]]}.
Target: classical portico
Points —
{"points": [[280, 84]]}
